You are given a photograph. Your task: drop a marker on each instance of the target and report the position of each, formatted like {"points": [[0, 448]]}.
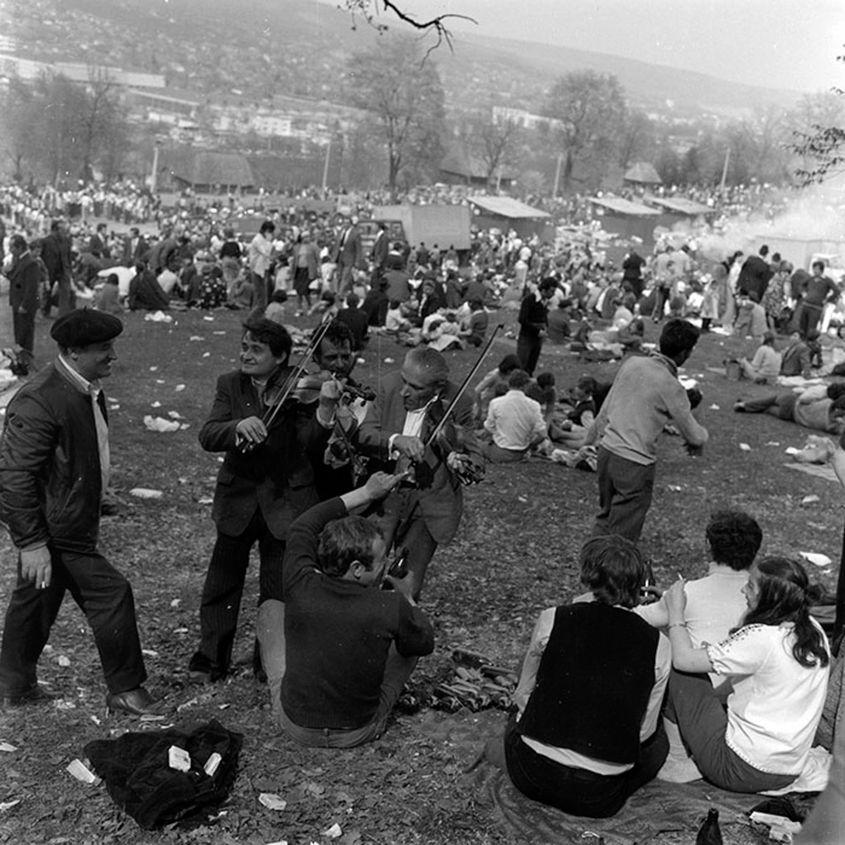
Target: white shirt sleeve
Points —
{"points": [[742, 653], [531, 664]]}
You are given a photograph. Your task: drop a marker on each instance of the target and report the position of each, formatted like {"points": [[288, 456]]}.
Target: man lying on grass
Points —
{"points": [[344, 646]]}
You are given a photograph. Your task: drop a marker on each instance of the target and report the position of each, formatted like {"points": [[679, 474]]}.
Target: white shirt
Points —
{"points": [[259, 252], [715, 605], [776, 704], [515, 421]]}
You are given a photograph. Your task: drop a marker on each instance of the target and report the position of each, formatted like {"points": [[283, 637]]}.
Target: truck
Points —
{"points": [[444, 225]]}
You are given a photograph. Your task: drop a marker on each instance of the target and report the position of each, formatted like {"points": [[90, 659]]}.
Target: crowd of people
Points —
{"points": [[348, 494]]}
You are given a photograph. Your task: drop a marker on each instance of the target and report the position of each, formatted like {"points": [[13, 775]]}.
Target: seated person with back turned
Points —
{"points": [[515, 422], [715, 605], [588, 733], [777, 660], [348, 646]]}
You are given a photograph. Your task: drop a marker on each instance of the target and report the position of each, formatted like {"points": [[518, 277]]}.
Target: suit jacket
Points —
{"points": [[441, 504], [132, 256], [24, 279], [276, 477], [55, 253], [350, 251], [380, 250], [50, 480]]}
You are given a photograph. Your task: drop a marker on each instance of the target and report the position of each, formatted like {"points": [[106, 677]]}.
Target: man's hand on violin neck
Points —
{"points": [[379, 484], [251, 430], [410, 447]]}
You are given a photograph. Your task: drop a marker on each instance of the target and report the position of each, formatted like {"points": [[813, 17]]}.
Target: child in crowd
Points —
{"points": [[765, 365], [275, 309]]}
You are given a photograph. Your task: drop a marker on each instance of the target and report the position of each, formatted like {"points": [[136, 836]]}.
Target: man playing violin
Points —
{"points": [[408, 407], [265, 482], [339, 468]]}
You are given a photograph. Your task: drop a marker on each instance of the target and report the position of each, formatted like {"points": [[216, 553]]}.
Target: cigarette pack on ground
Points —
{"points": [[81, 772], [212, 764], [178, 758]]}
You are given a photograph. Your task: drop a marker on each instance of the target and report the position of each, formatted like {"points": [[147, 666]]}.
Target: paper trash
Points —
{"points": [[160, 424], [816, 558], [272, 801]]}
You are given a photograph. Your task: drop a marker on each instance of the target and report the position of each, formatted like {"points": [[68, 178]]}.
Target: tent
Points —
{"points": [[627, 219], [642, 173], [507, 213]]}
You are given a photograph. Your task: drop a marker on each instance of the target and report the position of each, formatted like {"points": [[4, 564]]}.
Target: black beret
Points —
{"points": [[84, 327]]}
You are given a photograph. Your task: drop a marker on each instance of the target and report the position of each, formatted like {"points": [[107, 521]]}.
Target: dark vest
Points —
{"points": [[594, 683]]}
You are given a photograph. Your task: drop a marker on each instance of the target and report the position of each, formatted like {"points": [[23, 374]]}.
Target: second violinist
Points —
{"points": [[265, 482], [339, 467]]}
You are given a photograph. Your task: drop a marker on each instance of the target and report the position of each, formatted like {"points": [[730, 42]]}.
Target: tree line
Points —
{"points": [[588, 134]]}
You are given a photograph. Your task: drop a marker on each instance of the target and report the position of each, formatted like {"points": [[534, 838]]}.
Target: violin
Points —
{"points": [[307, 389]]}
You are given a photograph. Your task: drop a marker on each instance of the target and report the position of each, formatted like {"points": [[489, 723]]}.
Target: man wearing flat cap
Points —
{"points": [[54, 468]]}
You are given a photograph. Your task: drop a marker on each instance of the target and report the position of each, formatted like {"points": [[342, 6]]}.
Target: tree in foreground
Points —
{"points": [[401, 89]]}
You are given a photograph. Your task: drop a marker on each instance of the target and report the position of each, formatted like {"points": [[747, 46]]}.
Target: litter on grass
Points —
{"points": [[145, 493], [816, 558], [272, 801]]}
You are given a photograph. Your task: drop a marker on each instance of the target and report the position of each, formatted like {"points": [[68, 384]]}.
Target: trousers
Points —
{"points": [[625, 491], [695, 707], [578, 791], [103, 595], [397, 670], [223, 590]]}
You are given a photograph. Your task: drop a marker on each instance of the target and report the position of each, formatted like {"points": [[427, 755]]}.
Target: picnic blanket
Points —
{"points": [[818, 470], [657, 808]]}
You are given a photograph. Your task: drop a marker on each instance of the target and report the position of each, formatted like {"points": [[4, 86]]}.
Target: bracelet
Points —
{"points": [[677, 625]]}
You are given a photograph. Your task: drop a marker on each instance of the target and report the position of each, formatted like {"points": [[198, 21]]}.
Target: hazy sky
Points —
{"points": [[789, 44]]}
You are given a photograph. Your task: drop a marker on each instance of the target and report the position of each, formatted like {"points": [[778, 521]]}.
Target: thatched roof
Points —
{"points": [[216, 169], [643, 173]]}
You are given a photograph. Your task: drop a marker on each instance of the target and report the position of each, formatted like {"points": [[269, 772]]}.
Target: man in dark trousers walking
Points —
{"points": [[533, 320]]}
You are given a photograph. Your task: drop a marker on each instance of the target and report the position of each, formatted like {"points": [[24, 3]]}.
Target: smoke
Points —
{"points": [[812, 221]]}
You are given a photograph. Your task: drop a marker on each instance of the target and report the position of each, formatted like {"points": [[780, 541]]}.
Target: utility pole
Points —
{"points": [[725, 170], [326, 166], [154, 177], [557, 174]]}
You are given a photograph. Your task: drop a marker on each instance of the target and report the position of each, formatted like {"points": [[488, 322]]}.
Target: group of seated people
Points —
{"points": [[520, 414], [725, 677]]}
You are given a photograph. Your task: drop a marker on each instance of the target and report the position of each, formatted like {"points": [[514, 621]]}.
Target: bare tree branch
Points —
{"points": [[437, 24]]}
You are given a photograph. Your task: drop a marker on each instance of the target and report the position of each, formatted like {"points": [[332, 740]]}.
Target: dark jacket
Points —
{"points": [[55, 253], [277, 476], [24, 279], [441, 504], [50, 482]]}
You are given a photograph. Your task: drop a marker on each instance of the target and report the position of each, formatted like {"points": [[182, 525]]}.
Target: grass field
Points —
{"points": [[516, 554]]}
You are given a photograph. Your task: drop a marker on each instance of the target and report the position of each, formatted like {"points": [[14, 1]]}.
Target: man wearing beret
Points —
{"points": [[54, 468]]}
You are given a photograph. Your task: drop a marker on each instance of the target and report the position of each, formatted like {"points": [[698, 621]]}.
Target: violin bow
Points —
{"points": [[463, 388], [297, 373]]}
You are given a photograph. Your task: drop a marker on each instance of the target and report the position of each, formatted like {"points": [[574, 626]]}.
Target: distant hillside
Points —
{"points": [[258, 48]]}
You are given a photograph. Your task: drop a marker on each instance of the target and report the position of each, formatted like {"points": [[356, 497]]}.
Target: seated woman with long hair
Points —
{"points": [[588, 732], [777, 660]]}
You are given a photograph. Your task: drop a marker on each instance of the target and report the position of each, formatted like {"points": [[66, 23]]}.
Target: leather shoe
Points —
{"points": [[135, 702], [34, 695]]}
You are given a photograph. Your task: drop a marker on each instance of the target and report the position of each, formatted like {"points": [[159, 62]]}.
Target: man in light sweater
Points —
{"points": [[645, 396]]}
